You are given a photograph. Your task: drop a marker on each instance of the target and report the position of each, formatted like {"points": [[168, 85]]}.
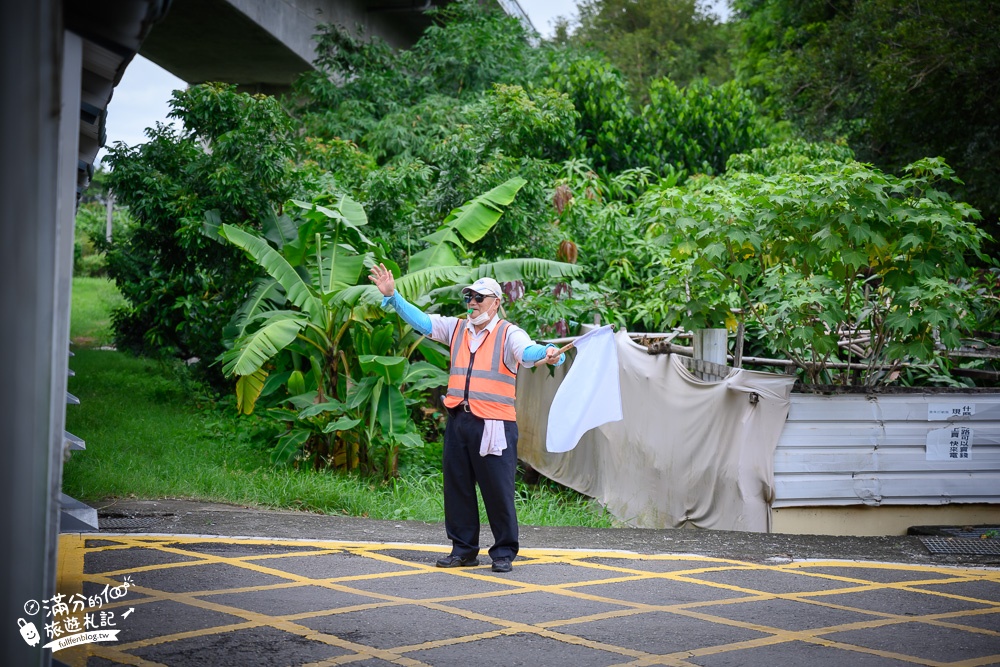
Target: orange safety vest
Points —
{"points": [[482, 378]]}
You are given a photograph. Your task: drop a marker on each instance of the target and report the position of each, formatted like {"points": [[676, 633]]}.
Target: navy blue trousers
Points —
{"points": [[463, 469]]}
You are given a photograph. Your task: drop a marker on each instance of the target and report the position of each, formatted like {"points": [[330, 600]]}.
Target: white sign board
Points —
{"points": [[946, 411], [950, 444]]}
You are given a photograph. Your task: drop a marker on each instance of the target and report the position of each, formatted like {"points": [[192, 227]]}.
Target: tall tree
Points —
{"points": [[233, 157], [652, 39], [899, 80]]}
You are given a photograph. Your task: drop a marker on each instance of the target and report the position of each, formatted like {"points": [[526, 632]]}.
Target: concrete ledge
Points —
{"points": [[863, 520]]}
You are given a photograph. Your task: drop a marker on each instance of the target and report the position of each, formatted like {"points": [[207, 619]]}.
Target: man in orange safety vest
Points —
{"points": [[480, 439]]}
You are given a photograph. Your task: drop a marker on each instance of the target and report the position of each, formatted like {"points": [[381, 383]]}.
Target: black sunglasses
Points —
{"points": [[478, 297]]}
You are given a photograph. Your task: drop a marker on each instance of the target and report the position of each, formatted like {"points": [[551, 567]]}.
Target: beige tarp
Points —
{"points": [[688, 452]]}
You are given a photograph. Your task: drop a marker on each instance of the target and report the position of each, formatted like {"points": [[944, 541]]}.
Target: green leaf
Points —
{"points": [[353, 212], [278, 229], [262, 294], [342, 424], [527, 268], [360, 392], [382, 340], [320, 408], [435, 353], [471, 221], [248, 388], [341, 268], [416, 283], [296, 383], [359, 295], [283, 414], [303, 401], [289, 445], [210, 227], [251, 352], [392, 414], [391, 369], [298, 292], [274, 381], [444, 234], [435, 256], [423, 375], [408, 440]]}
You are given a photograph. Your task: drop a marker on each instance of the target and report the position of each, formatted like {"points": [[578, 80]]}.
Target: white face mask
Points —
{"points": [[483, 318]]}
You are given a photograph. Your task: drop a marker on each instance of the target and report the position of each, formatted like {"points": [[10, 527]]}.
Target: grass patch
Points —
{"points": [[150, 433], [90, 322]]}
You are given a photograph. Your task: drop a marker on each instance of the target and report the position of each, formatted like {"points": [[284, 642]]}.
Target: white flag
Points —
{"points": [[589, 395]]}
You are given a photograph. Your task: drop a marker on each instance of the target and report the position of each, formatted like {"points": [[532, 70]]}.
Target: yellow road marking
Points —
{"points": [[73, 552]]}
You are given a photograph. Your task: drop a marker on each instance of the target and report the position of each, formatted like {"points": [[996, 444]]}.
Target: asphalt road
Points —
{"points": [[219, 585]]}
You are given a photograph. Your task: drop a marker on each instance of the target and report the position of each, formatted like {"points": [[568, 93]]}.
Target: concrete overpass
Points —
{"points": [[264, 45]]}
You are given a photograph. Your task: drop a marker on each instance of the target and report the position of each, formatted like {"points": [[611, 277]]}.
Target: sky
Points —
{"points": [[140, 100]]}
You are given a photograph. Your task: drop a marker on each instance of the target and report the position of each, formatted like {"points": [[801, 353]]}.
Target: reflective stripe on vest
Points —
{"points": [[489, 383]]}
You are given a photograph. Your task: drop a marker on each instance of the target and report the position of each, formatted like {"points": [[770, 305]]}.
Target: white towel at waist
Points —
{"points": [[494, 438]]}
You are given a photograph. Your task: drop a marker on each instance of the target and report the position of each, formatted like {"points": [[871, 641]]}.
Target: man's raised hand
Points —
{"points": [[382, 277]]}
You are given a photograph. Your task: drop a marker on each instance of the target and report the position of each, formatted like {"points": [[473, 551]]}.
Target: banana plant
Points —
{"points": [[446, 261], [312, 327], [290, 320]]}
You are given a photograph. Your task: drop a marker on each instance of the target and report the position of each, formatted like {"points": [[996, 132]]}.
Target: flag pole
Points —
{"points": [[567, 348]]}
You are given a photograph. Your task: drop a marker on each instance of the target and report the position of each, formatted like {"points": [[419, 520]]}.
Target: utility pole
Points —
{"points": [[111, 205]]}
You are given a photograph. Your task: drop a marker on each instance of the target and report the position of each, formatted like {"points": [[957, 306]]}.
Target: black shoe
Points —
{"points": [[457, 561], [501, 565]]}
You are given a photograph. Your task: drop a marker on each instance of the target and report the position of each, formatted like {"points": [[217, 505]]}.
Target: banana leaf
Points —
{"points": [[276, 266], [407, 440], [278, 229], [360, 392], [352, 211], [392, 413], [248, 388], [471, 221], [263, 293], [391, 369], [251, 352], [423, 375], [320, 408], [342, 424], [289, 445]]}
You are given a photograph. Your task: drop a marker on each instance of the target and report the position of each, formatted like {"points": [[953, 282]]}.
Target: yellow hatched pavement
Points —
{"points": [[232, 601]]}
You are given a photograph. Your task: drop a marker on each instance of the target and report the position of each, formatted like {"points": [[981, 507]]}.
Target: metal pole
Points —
{"points": [[111, 207], [738, 349]]}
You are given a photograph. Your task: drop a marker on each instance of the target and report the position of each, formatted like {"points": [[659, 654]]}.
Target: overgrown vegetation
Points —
{"points": [[342, 371], [671, 192], [897, 80], [653, 39], [90, 239]]}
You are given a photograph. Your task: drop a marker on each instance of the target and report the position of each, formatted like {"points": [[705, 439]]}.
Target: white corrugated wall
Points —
{"points": [[889, 449]]}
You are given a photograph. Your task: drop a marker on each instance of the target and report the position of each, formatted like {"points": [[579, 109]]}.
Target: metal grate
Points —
{"points": [[960, 545], [971, 532], [127, 523]]}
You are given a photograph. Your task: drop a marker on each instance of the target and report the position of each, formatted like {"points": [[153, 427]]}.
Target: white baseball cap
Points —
{"points": [[485, 286]]}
